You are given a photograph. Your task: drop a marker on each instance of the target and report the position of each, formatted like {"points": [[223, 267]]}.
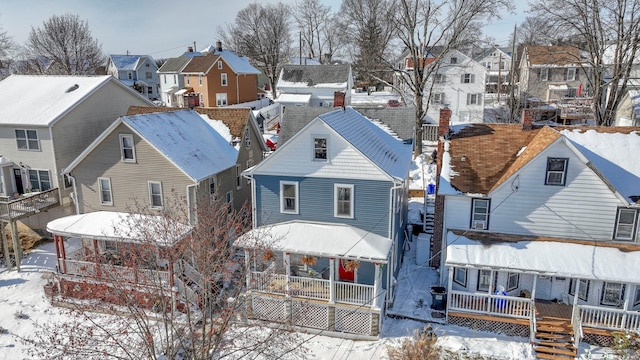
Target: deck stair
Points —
{"points": [[554, 339]]}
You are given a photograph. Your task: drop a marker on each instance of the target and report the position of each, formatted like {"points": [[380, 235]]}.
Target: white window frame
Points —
{"points": [[102, 191], [439, 78], [148, 75], [30, 144], [437, 98], [626, 227], [123, 156], [213, 189], [467, 78], [583, 292], [238, 177], [609, 290], [39, 178], [474, 99], [221, 99], [571, 73], [283, 199], [544, 74], [553, 172], [318, 149], [219, 65], [458, 274], [153, 195], [636, 298], [249, 164], [224, 79], [200, 79], [480, 220], [484, 276], [247, 138], [229, 201], [453, 60], [187, 79], [513, 281], [337, 201]]}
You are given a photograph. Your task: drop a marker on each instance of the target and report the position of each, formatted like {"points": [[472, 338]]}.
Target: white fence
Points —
{"points": [[507, 306], [121, 273], [611, 319], [429, 132]]}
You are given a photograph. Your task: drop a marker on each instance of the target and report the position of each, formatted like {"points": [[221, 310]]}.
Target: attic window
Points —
{"points": [[73, 87], [320, 149], [454, 60], [556, 171]]}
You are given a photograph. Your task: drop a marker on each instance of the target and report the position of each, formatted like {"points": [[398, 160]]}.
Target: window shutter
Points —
{"points": [[462, 79], [473, 78], [468, 99]]}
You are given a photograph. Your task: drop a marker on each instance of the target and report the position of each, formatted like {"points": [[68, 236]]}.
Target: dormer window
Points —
{"points": [[320, 149], [556, 171], [127, 149], [626, 222], [219, 65], [480, 214]]}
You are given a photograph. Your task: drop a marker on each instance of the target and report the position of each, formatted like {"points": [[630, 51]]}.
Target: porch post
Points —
{"points": [[332, 281], [533, 288], [17, 250], [490, 291], [60, 254], [376, 284], [449, 289], [575, 294], [287, 270], [247, 266], [625, 306], [5, 246], [97, 257]]}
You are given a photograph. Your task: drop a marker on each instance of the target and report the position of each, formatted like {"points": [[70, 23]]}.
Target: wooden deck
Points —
{"points": [[552, 309], [28, 204]]}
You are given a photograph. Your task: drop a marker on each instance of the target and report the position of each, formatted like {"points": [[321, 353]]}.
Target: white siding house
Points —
{"points": [[138, 72]]}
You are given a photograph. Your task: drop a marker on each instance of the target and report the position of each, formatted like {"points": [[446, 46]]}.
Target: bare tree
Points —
{"points": [[429, 30], [369, 28], [64, 45], [610, 35], [263, 34], [533, 31], [7, 45], [202, 316], [317, 29]]}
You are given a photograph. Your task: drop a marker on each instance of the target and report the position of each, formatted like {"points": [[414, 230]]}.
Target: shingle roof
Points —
{"points": [[316, 74], [553, 55], [200, 64], [174, 65]]}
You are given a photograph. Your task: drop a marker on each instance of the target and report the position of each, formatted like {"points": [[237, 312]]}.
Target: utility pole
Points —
{"points": [[512, 97], [194, 47]]}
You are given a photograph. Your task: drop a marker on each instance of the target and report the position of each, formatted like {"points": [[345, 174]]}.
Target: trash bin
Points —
{"points": [[438, 297], [431, 189]]}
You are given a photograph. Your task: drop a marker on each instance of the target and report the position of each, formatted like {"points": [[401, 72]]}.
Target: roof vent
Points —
{"points": [[72, 88]]}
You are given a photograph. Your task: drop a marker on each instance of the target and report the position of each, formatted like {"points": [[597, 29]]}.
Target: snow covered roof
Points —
{"points": [[294, 98], [182, 136], [121, 227], [40, 100], [545, 258], [384, 150], [239, 64], [128, 62], [319, 239], [318, 76]]}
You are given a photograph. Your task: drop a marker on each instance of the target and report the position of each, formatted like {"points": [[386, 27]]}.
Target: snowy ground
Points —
{"points": [[23, 292]]}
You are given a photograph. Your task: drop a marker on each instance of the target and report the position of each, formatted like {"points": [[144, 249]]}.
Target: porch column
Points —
{"points": [[97, 257], [490, 291], [625, 306], [332, 281], [247, 266], [17, 250], [376, 285], [575, 294], [287, 270], [60, 254], [5, 246], [533, 288], [449, 289]]}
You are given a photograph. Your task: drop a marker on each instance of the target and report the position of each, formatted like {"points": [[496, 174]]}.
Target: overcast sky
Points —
{"points": [[158, 28]]}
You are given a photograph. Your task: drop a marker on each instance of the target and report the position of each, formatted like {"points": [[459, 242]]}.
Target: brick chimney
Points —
{"points": [[443, 122], [527, 119], [219, 45], [190, 49], [338, 99]]}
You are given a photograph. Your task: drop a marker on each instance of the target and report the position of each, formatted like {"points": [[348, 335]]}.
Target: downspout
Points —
{"points": [[392, 262], [75, 193], [237, 90], [443, 241], [254, 220]]}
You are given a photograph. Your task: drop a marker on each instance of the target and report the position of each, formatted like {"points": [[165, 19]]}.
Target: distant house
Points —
{"points": [[315, 85], [138, 72], [497, 61], [220, 78], [154, 160], [46, 122], [330, 205], [172, 81], [538, 230]]}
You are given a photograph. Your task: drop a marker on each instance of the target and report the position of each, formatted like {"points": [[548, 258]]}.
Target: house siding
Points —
{"points": [[316, 202], [129, 181]]}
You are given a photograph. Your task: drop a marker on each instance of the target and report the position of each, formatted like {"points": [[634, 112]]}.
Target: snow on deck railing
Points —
{"points": [[610, 319], [508, 306], [108, 271]]}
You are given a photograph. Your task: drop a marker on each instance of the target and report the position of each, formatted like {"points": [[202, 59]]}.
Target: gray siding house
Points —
{"points": [[331, 206], [153, 160]]}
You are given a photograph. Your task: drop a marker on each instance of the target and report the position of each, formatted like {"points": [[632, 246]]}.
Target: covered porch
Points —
{"points": [[338, 270], [594, 288]]}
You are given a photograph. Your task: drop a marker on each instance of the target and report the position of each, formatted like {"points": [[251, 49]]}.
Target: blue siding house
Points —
{"points": [[329, 213]]}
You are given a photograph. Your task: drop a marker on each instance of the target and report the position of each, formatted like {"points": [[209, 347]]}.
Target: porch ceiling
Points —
{"points": [[545, 258], [120, 227], [319, 239]]}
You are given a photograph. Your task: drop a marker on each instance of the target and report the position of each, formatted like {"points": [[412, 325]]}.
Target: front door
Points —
{"points": [[18, 177], [345, 274], [543, 288]]}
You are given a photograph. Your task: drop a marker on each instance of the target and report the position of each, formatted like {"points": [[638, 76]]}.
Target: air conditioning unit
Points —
{"points": [[479, 225]]}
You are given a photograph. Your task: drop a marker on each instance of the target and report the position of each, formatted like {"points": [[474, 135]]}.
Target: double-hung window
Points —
{"points": [[238, 177], [612, 294], [513, 281], [583, 289], [556, 171], [27, 139], [223, 79], [229, 201], [474, 99], [106, 197], [320, 148], [289, 197], [343, 201], [544, 74], [221, 99], [460, 276], [467, 78], [437, 98], [484, 280], [155, 194], [626, 222], [480, 214], [39, 180], [571, 74], [127, 149], [213, 192]]}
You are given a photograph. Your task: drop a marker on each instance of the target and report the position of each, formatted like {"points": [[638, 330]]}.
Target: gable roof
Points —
{"points": [[174, 65], [239, 64], [484, 156], [204, 62], [553, 55], [128, 62], [313, 75], [200, 64], [390, 154], [182, 136], [41, 100]]}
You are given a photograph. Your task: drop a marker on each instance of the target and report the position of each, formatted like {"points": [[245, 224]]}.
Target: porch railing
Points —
{"points": [[319, 289], [508, 306], [611, 319], [27, 204], [429, 132], [131, 275]]}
